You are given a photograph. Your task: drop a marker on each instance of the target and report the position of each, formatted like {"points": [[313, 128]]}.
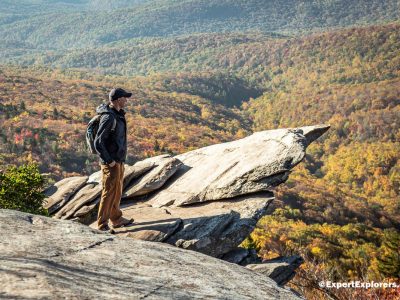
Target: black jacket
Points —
{"points": [[111, 145]]}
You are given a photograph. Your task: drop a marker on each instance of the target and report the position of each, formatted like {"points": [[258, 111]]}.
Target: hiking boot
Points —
{"points": [[122, 222], [107, 229]]}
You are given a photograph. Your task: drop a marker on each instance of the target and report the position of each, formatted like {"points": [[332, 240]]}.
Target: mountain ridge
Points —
{"points": [[166, 18]]}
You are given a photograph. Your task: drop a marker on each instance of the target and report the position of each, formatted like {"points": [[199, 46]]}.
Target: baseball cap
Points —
{"points": [[118, 93]]}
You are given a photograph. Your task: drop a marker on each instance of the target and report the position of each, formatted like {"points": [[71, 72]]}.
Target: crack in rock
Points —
{"points": [[83, 249], [155, 290]]}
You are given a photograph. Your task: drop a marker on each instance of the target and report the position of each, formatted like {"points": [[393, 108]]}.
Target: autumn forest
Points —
{"points": [[339, 209]]}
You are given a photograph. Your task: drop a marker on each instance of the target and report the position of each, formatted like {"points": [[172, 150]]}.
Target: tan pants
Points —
{"points": [[113, 178]]}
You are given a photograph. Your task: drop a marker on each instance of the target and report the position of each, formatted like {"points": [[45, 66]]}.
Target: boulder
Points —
{"points": [[255, 163], [44, 258], [87, 213]]}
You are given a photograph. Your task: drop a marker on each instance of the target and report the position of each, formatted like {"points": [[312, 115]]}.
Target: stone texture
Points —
{"points": [[152, 231], [138, 169], [235, 256], [218, 227], [85, 195], [256, 163], [87, 208], [213, 228], [60, 193], [87, 214], [313, 132], [44, 258], [281, 269], [242, 256], [164, 167]]}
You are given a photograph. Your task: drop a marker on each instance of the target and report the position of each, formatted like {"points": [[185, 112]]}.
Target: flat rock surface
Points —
{"points": [[44, 258]]}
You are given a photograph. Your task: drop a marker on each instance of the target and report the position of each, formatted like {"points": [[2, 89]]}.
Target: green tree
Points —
{"points": [[156, 146], [389, 258], [21, 189], [55, 113]]}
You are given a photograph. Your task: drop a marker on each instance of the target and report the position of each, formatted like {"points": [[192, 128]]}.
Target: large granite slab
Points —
{"points": [[45, 258]]}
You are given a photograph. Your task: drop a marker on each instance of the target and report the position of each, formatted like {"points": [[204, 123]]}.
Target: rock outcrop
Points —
{"points": [[281, 269], [207, 200], [256, 163], [213, 228], [45, 258]]}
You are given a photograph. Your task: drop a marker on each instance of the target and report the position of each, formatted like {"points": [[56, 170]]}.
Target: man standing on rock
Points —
{"points": [[111, 146]]}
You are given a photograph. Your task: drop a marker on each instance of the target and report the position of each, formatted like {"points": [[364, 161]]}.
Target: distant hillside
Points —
{"points": [[260, 59], [44, 119], [33, 7], [80, 28]]}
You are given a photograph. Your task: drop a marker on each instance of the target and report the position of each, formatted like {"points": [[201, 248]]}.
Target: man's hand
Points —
{"points": [[112, 164]]}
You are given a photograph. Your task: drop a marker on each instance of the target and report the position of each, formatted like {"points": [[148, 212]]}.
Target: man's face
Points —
{"points": [[122, 101]]}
